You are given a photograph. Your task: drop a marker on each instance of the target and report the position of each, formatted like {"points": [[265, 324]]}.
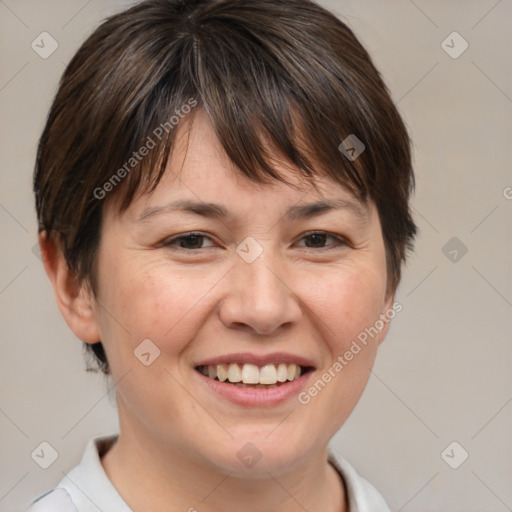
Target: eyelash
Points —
{"points": [[169, 243]]}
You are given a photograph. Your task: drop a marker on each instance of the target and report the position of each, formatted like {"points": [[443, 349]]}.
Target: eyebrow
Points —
{"points": [[218, 211]]}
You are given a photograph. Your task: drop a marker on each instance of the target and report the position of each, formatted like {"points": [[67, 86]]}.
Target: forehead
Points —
{"points": [[200, 178]]}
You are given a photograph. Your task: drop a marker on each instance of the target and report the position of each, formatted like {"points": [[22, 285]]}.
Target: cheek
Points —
{"points": [[145, 299], [348, 303]]}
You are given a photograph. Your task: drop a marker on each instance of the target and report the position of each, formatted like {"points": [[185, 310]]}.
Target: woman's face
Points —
{"points": [[253, 282]]}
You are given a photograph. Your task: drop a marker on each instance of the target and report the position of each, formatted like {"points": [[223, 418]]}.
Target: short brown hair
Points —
{"points": [[284, 71]]}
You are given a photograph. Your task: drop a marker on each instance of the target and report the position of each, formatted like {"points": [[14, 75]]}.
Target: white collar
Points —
{"points": [[89, 488]]}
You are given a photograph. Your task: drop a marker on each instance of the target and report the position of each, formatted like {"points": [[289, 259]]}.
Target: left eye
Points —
{"points": [[319, 237], [192, 241]]}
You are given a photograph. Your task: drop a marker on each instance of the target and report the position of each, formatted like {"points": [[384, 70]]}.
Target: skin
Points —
{"points": [[178, 443]]}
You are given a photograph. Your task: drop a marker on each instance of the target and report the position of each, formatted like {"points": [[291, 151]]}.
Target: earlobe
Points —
{"points": [[74, 300]]}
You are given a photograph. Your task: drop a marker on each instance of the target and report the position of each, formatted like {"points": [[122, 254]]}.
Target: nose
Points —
{"points": [[260, 297]]}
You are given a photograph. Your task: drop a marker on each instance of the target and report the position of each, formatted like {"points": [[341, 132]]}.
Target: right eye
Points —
{"points": [[185, 241]]}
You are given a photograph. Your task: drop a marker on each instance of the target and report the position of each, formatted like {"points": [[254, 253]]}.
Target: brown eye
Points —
{"points": [[318, 239], [189, 241]]}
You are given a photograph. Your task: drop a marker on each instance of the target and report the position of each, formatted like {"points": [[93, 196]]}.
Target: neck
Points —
{"points": [[151, 478]]}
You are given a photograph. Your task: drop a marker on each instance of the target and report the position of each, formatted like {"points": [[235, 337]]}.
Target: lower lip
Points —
{"points": [[257, 397]]}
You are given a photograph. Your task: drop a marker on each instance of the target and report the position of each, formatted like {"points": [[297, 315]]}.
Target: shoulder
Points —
{"points": [[86, 487], [55, 500], [362, 495]]}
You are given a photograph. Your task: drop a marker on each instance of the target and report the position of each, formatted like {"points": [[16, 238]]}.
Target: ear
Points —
{"points": [[75, 301], [388, 306]]}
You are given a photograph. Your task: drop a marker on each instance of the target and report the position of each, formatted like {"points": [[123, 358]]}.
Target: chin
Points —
{"points": [[254, 456]]}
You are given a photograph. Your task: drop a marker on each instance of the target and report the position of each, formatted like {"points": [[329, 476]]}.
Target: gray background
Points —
{"points": [[442, 375]]}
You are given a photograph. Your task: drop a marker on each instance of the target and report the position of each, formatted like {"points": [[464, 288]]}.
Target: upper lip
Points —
{"points": [[259, 360]]}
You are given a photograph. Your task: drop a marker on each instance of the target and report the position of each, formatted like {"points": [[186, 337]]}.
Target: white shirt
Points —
{"points": [[87, 488]]}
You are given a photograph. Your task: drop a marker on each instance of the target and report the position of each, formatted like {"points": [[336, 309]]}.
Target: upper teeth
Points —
{"points": [[251, 373]]}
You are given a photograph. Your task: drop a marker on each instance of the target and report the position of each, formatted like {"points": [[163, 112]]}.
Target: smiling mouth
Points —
{"points": [[252, 376]]}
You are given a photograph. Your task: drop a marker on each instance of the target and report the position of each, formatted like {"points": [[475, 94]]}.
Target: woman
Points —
{"points": [[222, 190]]}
